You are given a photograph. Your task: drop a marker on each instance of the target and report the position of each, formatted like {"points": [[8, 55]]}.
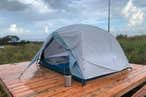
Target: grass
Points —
{"points": [[134, 48], [18, 53]]}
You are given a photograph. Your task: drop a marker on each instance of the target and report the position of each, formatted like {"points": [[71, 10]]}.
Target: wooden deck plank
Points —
{"points": [[42, 82], [35, 86], [33, 81], [120, 87], [92, 86], [141, 92]]}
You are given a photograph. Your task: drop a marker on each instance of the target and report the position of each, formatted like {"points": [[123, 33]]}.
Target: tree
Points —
{"points": [[121, 36], [9, 39]]}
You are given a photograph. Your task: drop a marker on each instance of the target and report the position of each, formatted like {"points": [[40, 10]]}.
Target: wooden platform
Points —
{"points": [[41, 82], [141, 92]]}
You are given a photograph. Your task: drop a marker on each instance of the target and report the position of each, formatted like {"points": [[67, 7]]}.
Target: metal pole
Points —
{"points": [[109, 12]]}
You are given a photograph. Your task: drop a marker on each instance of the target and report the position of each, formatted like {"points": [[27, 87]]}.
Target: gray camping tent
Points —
{"points": [[83, 51]]}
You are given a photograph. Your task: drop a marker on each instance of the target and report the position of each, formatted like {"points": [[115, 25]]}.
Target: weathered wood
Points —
{"points": [[141, 92], [42, 82]]}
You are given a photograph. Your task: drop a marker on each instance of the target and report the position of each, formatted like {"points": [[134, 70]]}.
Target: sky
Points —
{"points": [[36, 19]]}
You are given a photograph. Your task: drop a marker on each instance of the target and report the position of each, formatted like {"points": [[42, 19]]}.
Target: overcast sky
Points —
{"points": [[35, 19]]}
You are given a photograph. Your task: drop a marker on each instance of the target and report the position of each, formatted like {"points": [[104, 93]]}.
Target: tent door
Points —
{"points": [[56, 65], [55, 57]]}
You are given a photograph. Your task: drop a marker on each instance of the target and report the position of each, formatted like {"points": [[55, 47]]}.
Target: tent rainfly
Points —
{"points": [[84, 51]]}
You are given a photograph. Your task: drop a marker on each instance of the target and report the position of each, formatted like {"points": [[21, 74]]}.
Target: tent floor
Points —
{"points": [[41, 82]]}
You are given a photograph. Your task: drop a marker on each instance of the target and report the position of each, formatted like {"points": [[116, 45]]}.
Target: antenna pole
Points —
{"points": [[109, 12]]}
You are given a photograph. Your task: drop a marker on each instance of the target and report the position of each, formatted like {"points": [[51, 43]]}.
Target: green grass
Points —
{"points": [[18, 53], [134, 48]]}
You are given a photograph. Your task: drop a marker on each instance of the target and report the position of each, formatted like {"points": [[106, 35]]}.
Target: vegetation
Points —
{"points": [[8, 39], [134, 48], [2, 92], [18, 53], [12, 40]]}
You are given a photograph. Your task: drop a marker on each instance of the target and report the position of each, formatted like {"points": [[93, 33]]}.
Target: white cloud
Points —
{"points": [[46, 29], [134, 14], [38, 5], [14, 29]]}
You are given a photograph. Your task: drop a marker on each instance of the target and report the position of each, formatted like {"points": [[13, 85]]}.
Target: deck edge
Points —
{"points": [[5, 88], [131, 87]]}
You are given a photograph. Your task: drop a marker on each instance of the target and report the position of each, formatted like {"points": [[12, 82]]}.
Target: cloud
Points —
{"points": [[24, 33], [38, 5], [46, 29], [31, 5], [134, 14], [37, 15], [14, 29], [12, 5]]}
